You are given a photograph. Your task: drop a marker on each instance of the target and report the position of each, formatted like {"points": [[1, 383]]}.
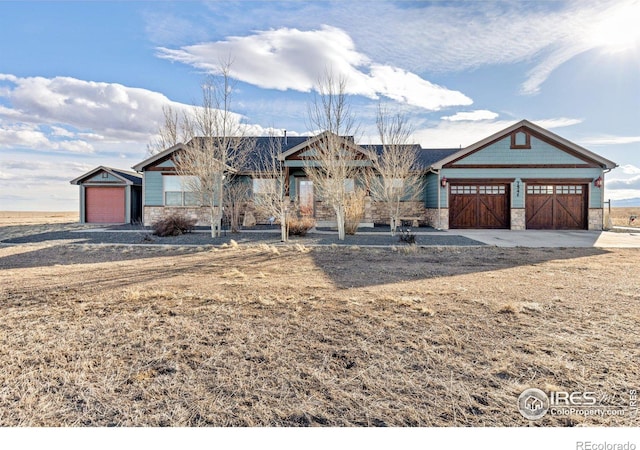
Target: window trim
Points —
{"points": [[514, 141], [183, 194]]}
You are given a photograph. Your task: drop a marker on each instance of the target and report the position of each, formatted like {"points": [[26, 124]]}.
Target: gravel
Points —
{"points": [[131, 236]]}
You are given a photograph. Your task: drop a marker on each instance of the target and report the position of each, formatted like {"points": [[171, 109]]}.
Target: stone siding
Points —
{"points": [[154, 213], [595, 219], [432, 218], [518, 220]]}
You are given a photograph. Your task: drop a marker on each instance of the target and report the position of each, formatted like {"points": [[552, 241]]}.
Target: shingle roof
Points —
{"points": [[125, 175], [133, 177], [426, 156]]}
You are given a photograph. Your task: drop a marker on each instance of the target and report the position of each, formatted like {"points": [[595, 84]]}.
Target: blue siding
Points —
{"points": [[153, 188], [595, 194], [167, 163], [431, 190], [97, 178], [501, 153]]}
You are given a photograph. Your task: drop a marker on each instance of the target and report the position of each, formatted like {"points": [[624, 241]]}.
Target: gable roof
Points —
{"points": [[311, 140], [575, 148], [284, 143], [158, 156], [124, 175]]}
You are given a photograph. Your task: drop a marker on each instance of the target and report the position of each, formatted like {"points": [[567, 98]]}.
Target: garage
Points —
{"points": [[109, 195], [481, 205], [105, 204], [556, 206]]}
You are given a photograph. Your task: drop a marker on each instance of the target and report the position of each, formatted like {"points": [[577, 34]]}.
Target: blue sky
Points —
{"points": [[82, 84]]}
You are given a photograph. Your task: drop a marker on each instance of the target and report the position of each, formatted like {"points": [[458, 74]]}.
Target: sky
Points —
{"points": [[83, 84]]}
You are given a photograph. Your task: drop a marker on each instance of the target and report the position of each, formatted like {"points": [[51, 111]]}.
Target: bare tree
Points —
{"points": [[269, 196], [235, 199], [168, 134], [219, 148], [395, 180], [333, 168]]}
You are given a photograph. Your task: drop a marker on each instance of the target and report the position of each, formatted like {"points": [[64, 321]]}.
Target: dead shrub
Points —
{"points": [[173, 225], [299, 226], [354, 211]]}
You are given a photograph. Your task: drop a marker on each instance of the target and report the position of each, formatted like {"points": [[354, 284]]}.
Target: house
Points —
{"points": [[109, 195], [523, 177]]}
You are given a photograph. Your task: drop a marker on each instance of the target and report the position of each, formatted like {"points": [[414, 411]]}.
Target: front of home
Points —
{"points": [[523, 177]]}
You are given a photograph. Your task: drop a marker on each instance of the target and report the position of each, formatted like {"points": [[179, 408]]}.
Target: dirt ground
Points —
{"points": [[290, 336]]}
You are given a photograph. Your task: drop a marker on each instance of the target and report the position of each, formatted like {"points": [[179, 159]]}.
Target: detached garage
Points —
{"points": [[523, 177], [110, 195]]}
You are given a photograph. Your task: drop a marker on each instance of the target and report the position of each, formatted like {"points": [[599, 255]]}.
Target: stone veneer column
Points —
{"points": [[444, 218], [596, 218], [518, 219]]}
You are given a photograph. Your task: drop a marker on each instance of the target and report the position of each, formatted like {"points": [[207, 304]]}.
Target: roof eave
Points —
{"points": [[603, 162], [147, 162], [109, 170]]}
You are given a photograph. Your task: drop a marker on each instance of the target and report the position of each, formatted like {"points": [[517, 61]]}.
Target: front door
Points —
{"points": [[305, 197]]}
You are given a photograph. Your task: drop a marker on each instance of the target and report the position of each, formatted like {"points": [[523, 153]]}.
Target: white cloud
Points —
{"points": [[289, 58], [62, 132], [107, 109], [472, 116], [559, 122], [611, 140], [629, 169], [621, 194], [448, 134], [21, 135], [629, 183], [454, 36], [462, 133]]}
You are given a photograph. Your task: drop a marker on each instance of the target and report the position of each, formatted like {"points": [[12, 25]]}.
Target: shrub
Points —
{"points": [[298, 226], [354, 211], [407, 236], [173, 225]]}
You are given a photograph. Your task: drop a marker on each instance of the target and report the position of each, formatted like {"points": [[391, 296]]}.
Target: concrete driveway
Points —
{"points": [[547, 238]]}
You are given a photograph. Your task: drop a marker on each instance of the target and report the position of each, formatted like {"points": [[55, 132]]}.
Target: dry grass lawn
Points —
{"points": [[266, 336], [620, 217]]}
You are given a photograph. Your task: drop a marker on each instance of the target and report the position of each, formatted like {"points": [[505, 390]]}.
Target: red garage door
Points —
{"points": [[479, 206], [105, 204], [556, 207]]}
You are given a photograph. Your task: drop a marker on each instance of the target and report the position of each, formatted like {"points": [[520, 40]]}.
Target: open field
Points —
{"points": [[36, 217], [98, 336], [620, 217]]}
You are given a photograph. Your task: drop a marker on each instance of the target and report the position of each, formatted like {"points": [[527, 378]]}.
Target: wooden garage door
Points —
{"points": [[479, 206], [556, 207], [105, 204]]}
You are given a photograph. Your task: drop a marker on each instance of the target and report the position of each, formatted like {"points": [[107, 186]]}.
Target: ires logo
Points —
{"points": [[577, 398], [534, 403]]}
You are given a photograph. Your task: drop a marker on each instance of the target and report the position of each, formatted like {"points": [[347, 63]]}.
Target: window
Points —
{"points": [[349, 185], [473, 190], [178, 191], [105, 175], [263, 185], [492, 190], [568, 189], [544, 190], [464, 190], [520, 140]]}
